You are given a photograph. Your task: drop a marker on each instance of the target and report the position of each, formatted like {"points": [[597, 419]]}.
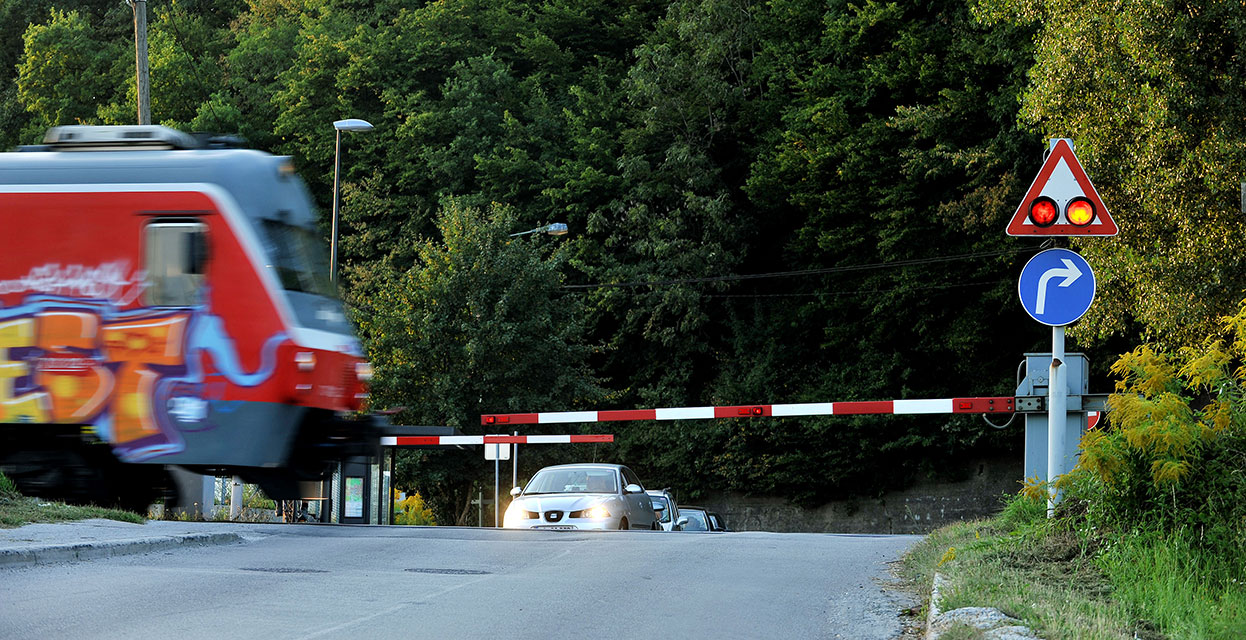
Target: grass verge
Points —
{"points": [[1083, 585], [17, 510]]}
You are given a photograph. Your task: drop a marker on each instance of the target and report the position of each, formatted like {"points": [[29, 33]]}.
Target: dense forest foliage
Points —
{"points": [[789, 201]]}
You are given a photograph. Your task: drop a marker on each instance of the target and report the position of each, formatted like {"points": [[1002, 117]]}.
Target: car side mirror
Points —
{"points": [[515, 491], [680, 523], [633, 488]]}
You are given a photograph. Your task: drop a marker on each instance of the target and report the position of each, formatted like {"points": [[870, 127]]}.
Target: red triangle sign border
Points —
{"points": [[1103, 224]]}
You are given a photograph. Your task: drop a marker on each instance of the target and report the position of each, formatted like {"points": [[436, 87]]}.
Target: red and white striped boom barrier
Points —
{"points": [[1005, 404], [411, 441]]}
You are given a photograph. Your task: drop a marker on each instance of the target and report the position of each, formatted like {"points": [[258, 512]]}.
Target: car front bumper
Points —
{"points": [[563, 524]]}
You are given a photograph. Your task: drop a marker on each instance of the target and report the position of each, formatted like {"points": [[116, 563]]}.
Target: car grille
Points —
{"points": [[553, 516]]}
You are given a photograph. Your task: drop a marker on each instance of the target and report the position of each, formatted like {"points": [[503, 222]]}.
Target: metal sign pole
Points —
{"points": [[1057, 412], [495, 490], [515, 464]]}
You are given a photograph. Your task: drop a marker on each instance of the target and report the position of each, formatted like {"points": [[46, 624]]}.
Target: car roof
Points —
{"points": [[584, 465], [684, 507]]}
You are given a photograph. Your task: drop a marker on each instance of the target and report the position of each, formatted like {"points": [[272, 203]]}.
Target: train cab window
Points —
{"points": [[175, 256], [297, 257]]}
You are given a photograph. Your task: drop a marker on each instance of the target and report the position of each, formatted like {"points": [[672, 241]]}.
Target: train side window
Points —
{"points": [[176, 258]]}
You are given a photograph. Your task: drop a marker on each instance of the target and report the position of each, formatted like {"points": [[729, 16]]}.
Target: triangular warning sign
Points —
{"points": [[1061, 181]]}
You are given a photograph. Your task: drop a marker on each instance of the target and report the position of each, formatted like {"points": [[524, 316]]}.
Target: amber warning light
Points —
{"points": [[1080, 211]]}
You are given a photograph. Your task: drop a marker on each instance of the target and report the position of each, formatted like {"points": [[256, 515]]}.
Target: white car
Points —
{"points": [[665, 507], [581, 496]]}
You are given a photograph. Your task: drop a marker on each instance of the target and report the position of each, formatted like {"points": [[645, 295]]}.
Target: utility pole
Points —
{"points": [[140, 60]]}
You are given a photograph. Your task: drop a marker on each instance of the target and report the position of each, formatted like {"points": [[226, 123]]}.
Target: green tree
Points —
{"points": [[770, 202], [17, 124], [188, 43], [69, 72], [477, 325], [469, 99], [1151, 95], [898, 148], [674, 219], [246, 103]]}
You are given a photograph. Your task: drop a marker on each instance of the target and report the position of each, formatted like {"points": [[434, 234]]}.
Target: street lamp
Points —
{"points": [[554, 229], [352, 124]]}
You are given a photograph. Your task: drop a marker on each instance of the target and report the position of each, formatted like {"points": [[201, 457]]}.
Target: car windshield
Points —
{"points": [[696, 520], [573, 480], [661, 508]]}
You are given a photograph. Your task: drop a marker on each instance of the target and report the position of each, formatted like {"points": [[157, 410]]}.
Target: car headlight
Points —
{"points": [[515, 510], [598, 512]]}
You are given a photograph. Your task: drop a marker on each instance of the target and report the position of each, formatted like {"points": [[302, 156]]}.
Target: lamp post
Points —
{"points": [[352, 124], [554, 229]]}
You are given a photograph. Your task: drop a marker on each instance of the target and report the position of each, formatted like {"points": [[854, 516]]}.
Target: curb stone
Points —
{"points": [[48, 554], [939, 581], [994, 624]]}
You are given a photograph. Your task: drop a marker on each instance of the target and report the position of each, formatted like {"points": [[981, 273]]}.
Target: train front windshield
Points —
{"points": [[300, 261], [298, 258]]}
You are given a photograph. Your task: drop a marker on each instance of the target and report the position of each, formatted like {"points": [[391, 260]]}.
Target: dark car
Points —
{"points": [[717, 522], [693, 519]]}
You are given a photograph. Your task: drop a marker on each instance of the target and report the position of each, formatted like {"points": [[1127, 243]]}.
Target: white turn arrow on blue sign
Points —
{"points": [[1056, 287], [1070, 273]]}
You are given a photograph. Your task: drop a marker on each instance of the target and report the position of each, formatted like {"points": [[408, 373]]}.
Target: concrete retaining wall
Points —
{"points": [[919, 509]]}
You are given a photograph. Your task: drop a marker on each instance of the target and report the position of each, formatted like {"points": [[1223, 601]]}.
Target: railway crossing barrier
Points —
{"points": [[1046, 457]]}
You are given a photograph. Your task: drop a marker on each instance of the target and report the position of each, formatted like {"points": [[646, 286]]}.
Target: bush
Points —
{"points": [[1174, 456], [7, 488], [1025, 508], [412, 510]]}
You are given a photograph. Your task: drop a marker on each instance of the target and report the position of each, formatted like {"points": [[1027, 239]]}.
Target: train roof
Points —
{"points": [[262, 184]]}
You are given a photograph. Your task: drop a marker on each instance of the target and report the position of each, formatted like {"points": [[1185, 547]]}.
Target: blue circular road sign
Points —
{"points": [[1056, 287]]}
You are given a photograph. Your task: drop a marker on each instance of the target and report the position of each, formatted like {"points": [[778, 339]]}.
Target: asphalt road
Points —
{"points": [[313, 581]]}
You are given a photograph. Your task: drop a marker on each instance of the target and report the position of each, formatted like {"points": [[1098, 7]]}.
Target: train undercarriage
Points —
{"points": [[68, 463]]}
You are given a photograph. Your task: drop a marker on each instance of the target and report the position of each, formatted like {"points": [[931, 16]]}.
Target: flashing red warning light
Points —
{"points": [[1080, 211], [1043, 211], [750, 411], [1061, 201]]}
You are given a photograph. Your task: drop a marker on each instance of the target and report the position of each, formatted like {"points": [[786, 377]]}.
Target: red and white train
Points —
{"points": [[165, 302]]}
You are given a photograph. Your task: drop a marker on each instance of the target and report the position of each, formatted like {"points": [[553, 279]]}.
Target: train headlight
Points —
{"points": [[305, 360]]}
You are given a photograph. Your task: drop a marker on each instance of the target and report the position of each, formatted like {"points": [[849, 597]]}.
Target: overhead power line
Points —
{"points": [[860, 292], [802, 272]]}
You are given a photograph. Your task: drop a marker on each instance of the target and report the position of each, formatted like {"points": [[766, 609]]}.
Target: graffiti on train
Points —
{"points": [[138, 377]]}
